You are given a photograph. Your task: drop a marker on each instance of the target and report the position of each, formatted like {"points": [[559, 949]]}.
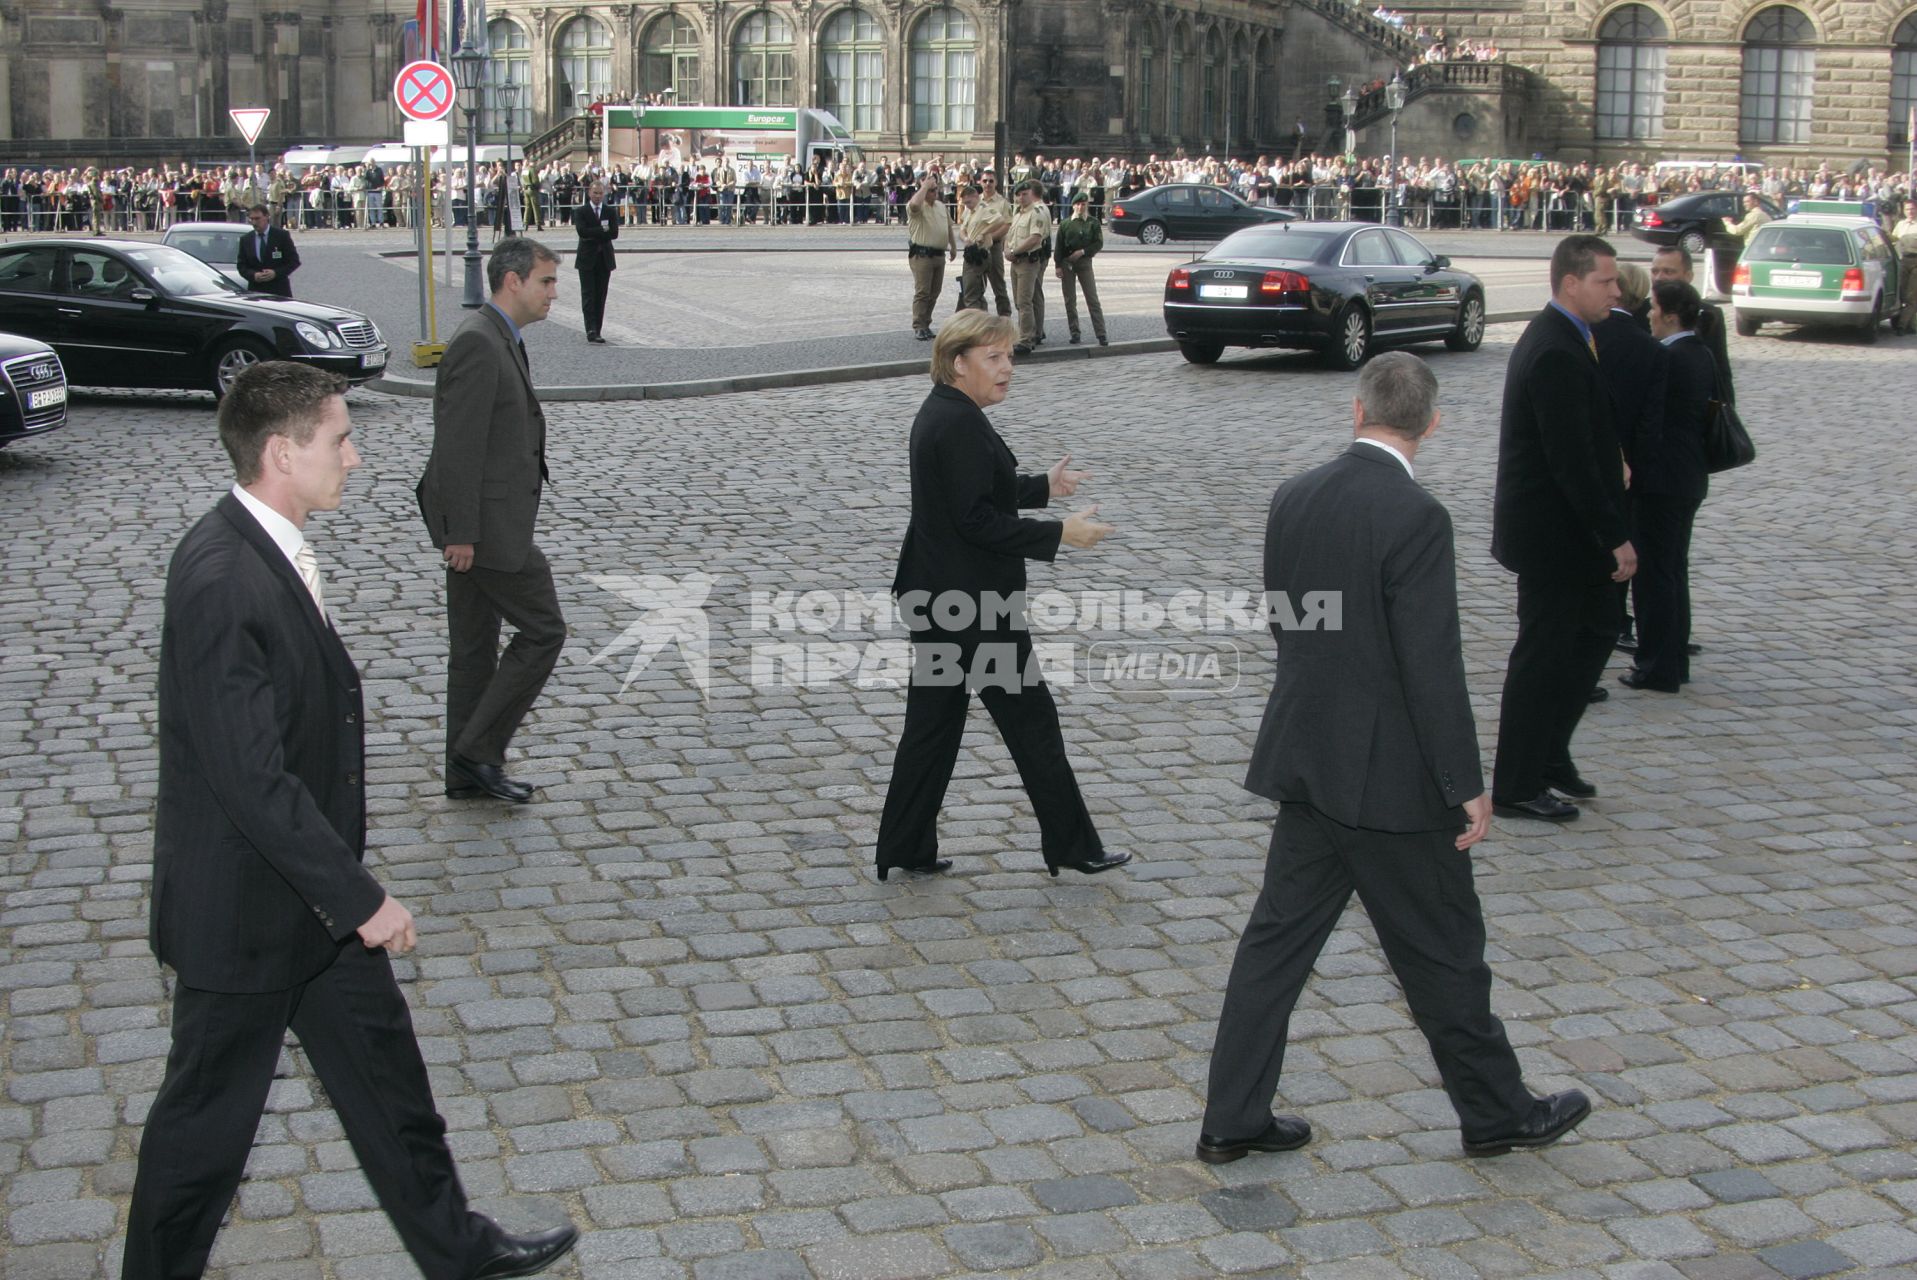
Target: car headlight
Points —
{"points": [[316, 337]]}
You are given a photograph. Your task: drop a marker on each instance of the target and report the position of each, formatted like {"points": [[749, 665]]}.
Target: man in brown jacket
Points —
{"points": [[480, 498]]}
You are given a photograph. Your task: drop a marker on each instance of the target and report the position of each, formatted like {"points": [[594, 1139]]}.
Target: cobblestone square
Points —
{"points": [[670, 1001]]}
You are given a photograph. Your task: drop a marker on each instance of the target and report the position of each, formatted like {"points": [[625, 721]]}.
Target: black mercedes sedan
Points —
{"points": [[1695, 221], [126, 313], [1188, 211], [1343, 288], [33, 389]]}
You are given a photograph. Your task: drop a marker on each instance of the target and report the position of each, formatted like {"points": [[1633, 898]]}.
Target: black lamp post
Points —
{"points": [[1394, 99], [469, 72]]}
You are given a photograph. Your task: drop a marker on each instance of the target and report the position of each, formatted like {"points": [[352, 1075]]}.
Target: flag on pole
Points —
{"points": [[456, 25], [426, 14], [477, 17]]}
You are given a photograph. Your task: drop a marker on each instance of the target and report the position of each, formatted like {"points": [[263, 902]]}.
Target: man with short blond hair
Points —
{"points": [[1024, 249]]}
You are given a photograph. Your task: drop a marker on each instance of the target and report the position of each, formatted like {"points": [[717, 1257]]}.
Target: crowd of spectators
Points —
{"points": [[1432, 192]]}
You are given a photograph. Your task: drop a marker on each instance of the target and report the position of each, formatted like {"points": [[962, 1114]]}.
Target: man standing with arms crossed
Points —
{"points": [[260, 901], [598, 226], [1559, 522], [997, 210], [931, 242], [1031, 225], [480, 500], [1369, 747], [1079, 238]]}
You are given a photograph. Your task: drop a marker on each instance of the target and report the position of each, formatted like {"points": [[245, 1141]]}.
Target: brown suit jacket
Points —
{"points": [[483, 480]]}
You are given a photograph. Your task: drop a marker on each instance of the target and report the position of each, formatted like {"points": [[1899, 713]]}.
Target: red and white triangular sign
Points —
{"points": [[250, 120]]}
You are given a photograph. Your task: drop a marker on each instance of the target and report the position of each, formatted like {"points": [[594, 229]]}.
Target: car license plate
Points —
{"points": [[1224, 291], [45, 396], [373, 360], [1797, 279]]}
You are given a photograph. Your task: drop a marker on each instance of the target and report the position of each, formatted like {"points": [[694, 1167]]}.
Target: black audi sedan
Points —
{"points": [[1188, 211], [125, 313], [1343, 288], [1695, 222], [33, 389]]}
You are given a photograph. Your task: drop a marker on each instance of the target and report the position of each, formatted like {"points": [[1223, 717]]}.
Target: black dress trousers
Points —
{"points": [[1662, 527], [594, 282], [1567, 629], [935, 710]]}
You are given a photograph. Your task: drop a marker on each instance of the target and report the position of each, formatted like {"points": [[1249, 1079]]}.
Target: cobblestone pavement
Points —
{"points": [[670, 1001]]}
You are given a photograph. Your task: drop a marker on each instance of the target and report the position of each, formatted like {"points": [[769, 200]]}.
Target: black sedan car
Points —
{"points": [[33, 389], [1695, 222], [1343, 288], [1188, 211], [124, 313]]}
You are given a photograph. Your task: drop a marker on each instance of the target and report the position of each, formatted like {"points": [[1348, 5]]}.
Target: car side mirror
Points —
{"points": [[1438, 263], [143, 295]]}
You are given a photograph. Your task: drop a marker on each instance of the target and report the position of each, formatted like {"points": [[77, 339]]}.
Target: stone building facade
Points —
{"points": [[1811, 80]]}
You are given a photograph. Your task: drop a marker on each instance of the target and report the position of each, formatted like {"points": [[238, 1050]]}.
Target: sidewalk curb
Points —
{"points": [[419, 388]]}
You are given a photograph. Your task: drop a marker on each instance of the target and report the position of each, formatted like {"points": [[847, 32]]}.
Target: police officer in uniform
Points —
{"points": [[931, 243], [1903, 238], [1079, 238], [1000, 210], [1031, 227]]}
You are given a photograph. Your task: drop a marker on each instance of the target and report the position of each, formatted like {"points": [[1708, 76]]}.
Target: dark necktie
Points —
{"points": [[262, 239]]}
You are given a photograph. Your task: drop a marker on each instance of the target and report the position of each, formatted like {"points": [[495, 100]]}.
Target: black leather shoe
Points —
{"points": [[1021, 349], [468, 779], [1599, 694], [1564, 780], [1545, 808], [1626, 644], [527, 1255], [1073, 339], [1636, 679], [1284, 1133], [931, 869], [1692, 650], [595, 339], [1090, 866], [923, 335], [1550, 1119], [1104, 342]]}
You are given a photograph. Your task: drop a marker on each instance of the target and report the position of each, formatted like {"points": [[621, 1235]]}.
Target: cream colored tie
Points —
{"points": [[309, 574]]}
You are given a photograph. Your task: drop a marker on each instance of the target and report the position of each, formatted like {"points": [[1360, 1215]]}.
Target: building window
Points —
{"points": [[512, 64], [1267, 94], [583, 63], [762, 61], [944, 72], [1180, 75], [1630, 75], [1147, 72], [1903, 80], [1239, 126], [1780, 64], [852, 69], [669, 60], [1214, 60]]}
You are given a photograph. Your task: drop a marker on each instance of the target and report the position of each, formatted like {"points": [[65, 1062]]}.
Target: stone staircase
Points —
{"points": [[1471, 77]]}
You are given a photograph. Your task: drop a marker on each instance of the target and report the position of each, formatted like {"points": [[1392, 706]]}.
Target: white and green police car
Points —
{"points": [[1817, 268]]}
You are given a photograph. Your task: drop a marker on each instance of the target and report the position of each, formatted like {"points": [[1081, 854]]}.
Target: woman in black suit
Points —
{"points": [[965, 552], [1668, 483]]}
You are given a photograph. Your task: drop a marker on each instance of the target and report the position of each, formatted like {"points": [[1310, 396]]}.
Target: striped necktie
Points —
{"points": [[308, 565]]}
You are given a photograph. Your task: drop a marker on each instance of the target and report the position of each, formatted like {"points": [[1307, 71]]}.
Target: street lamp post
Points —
{"points": [[1394, 99], [469, 72], [509, 98], [1348, 107]]}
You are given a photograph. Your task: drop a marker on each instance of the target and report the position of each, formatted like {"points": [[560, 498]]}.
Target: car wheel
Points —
{"points": [[1693, 243], [1470, 330], [1152, 233], [1350, 338], [1201, 352], [234, 357], [1869, 332], [1748, 325]]}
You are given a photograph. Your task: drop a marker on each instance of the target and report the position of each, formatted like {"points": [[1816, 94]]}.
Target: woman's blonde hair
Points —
{"points": [[964, 332], [1633, 285]]}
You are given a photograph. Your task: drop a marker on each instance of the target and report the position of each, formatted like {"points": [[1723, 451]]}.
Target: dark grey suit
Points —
{"points": [[1369, 746], [481, 488]]}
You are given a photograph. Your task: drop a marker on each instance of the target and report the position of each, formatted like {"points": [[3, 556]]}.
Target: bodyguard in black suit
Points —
{"points": [[1631, 362], [1558, 522], [964, 555], [1669, 482], [1368, 744], [598, 226], [260, 902], [267, 258]]}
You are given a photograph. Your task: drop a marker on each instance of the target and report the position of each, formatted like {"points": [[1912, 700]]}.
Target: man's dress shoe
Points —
{"points": [[1692, 650], [1550, 1119], [1565, 780], [930, 869], [527, 1255], [595, 339], [1090, 866], [468, 780], [1636, 679], [1599, 694], [1626, 644], [1545, 808], [1284, 1133]]}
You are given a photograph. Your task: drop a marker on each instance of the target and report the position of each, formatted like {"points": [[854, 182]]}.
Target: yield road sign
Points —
{"points": [[250, 120], [424, 90]]}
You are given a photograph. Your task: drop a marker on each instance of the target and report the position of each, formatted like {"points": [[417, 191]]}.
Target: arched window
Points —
{"points": [[583, 63], [1175, 123], [852, 69], [1903, 80], [762, 61], [669, 59], [1147, 76], [1213, 68], [944, 72], [1630, 74], [1267, 95], [512, 64], [1780, 64]]}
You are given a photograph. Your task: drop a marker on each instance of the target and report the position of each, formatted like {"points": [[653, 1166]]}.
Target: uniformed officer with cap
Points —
{"points": [[1079, 238], [931, 243], [1031, 227]]}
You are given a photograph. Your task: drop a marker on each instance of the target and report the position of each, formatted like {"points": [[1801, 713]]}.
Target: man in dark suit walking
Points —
{"points": [[267, 258], [598, 226], [1369, 747], [260, 901], [480, 499], [1559, 522]]}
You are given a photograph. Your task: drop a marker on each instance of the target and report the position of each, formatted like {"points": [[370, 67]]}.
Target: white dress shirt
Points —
{"points": [[1402, 460], [285, 534]]}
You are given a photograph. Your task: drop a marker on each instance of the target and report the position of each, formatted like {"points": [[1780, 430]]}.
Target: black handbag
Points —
{"points": [[1727, 444]]}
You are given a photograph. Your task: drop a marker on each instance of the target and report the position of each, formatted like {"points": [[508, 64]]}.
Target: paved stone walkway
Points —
{"points": [[670, 1002]]}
